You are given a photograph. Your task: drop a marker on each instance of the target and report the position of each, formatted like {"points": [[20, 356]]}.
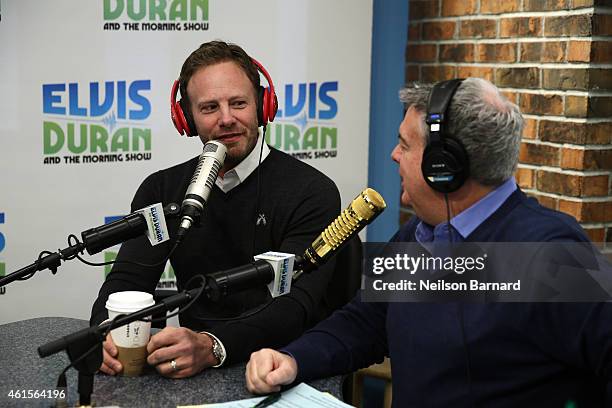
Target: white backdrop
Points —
{"points": [[55, 54]]}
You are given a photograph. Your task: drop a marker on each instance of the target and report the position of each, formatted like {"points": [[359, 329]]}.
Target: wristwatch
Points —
{"points": [[217, 349]]}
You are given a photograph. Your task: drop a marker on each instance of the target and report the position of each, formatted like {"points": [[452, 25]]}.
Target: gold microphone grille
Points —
{"points": [[362, 210], [336, 233]]}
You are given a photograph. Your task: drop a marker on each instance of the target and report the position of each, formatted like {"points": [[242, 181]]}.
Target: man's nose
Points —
{"points": [[395, 154], [227, 118]]}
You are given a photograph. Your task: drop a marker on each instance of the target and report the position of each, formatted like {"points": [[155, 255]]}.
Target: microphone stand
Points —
{"points": [[86, 363], [51, 262], [84, 348], [96, 333]]}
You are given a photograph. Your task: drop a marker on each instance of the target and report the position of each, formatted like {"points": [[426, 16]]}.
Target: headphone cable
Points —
{"points": [[263, 140], [448, 219]]}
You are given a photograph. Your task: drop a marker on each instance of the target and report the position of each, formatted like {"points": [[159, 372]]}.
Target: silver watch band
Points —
{"points": [[218, 350]]}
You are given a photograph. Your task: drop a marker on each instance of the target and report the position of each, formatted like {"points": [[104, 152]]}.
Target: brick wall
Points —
{"points": [[554, 59]]}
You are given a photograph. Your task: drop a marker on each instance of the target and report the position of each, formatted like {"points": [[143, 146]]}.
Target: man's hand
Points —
{"points": [[110, 365], [191, 351], [268, 369]]}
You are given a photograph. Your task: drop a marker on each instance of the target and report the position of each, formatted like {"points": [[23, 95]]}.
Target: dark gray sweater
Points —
{"points": [[297, 202]]}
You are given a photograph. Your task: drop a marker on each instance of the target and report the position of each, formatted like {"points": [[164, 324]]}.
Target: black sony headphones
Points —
{"points": [[445, 164]]}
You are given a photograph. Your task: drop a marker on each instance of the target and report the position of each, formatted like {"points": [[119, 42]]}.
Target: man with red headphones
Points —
{"points": [[262, 200], [457, 152]]}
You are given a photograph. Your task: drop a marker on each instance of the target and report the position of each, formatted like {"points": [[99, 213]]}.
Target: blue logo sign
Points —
{"points": [[96, 122], [59, 101], [2, 246], [305, 123], [112, 218], [2, 239], [321, 105]]}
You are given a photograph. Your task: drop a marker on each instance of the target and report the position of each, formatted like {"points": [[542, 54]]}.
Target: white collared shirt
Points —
{"points": [[238, 174]]}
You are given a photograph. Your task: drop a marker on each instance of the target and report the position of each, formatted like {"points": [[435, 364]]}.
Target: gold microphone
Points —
{"points": [[360, 212]]}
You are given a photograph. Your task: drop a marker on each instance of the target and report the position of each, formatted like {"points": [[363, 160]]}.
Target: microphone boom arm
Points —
{"points": [[94, 240], [51, 262], [97, 332]]}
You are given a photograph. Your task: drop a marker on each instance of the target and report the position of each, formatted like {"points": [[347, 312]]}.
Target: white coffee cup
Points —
{"points": [[131, 340]]}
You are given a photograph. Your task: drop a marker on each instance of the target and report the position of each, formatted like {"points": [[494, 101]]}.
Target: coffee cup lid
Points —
{"points": [[129, 301]]}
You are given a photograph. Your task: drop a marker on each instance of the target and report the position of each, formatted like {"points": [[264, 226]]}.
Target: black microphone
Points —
{"points": [[210, 162], [276, 268], [131, 226], [223, 283]]}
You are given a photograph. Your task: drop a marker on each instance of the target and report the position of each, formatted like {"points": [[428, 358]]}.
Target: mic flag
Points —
{"points": [[157, 231], [282, 264]]}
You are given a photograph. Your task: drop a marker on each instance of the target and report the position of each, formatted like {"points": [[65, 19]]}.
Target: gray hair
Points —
{"points": [[484, 121]]}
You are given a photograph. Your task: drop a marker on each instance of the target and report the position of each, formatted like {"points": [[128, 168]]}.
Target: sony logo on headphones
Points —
{"points": [[438, 166]]}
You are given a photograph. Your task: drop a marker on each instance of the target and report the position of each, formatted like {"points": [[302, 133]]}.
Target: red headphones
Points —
{"points": [[267, 105]]}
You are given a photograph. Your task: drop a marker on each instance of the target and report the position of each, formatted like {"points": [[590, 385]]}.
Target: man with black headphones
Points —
{"points": [[263, 200], [457, 152]]}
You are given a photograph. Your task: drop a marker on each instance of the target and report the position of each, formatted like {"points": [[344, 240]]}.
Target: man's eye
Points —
{"points": [[239, 104], [208, 108]]}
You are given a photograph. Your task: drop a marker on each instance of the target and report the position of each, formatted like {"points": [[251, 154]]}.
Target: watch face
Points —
{"points": [[217, 351]]}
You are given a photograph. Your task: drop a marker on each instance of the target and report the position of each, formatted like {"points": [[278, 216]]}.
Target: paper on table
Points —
{"points": [[301, 396]]}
